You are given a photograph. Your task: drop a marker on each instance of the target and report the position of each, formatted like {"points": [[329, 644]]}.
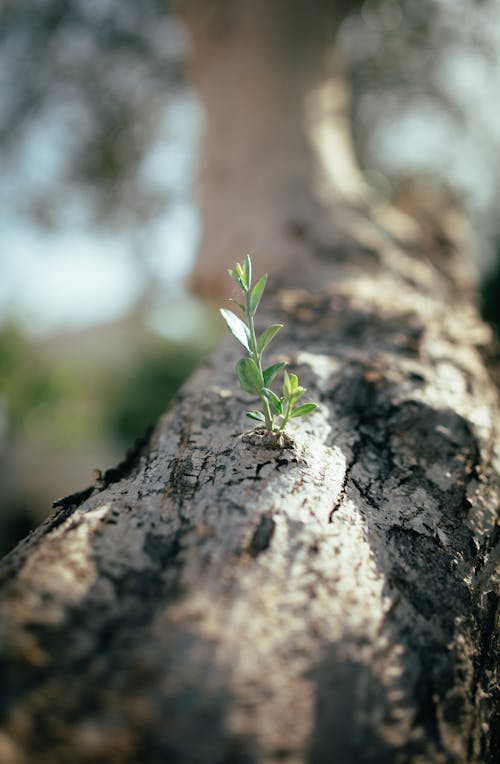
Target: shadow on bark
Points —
{"points": [[421, 697]]}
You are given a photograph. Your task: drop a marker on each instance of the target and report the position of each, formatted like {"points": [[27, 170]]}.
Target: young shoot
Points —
{"points": [[254, 378]]}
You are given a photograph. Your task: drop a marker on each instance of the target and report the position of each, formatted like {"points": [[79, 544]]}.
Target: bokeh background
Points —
{"points": [[100, 140]]}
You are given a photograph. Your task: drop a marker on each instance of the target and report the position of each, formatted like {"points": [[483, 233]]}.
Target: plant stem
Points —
{"points": [[257, 358], [286, 415]]}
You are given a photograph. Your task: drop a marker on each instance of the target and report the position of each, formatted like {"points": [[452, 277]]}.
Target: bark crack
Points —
{"points": [[262, 536]]}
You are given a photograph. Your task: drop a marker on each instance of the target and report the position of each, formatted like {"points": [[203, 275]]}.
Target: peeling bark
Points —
{"points": [[216, 601]]}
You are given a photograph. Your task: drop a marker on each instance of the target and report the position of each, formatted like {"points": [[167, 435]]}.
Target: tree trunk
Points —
{"points": [[269, 83], [211, 600]]}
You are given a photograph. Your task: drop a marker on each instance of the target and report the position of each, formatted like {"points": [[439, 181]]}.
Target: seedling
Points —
{"points": [[253, 378]]}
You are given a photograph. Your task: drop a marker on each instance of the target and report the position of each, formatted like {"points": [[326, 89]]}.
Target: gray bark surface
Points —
{"points": [[212, 600]]}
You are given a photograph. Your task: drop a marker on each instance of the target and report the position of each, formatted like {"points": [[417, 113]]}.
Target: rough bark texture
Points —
{"points": [[213, 601]]}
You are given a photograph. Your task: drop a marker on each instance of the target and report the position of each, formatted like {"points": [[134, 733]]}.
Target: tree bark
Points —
{"points": [[272, 91], [211, 600]]}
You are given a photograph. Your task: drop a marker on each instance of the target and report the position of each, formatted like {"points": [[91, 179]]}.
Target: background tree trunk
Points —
{"points": [[211, 600], [270, 83]]}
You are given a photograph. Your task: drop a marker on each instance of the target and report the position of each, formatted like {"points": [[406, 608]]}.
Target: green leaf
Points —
{"points": [[249, 376], [275, 403], [291, 388], [239, 304], [258, 415], [248, 271], [241, 277], [267, 336], [306, 408], [237, 328], [272, 371], [287, 387], [297, 393], [257, 293]]}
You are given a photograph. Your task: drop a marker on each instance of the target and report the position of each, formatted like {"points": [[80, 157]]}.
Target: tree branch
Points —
{"points": [[333, 601]]}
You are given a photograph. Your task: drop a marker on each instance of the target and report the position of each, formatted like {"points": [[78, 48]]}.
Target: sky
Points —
{"points": [[75, 275]]}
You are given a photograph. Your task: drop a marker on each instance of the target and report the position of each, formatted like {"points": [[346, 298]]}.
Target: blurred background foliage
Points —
{"points": [[100, 135]]}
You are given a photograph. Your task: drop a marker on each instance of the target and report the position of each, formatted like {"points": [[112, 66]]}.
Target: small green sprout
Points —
{"points": [[253, 378]]}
